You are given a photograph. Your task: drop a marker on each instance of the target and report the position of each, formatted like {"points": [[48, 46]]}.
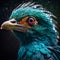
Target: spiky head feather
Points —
{"points": [[45, 30]]}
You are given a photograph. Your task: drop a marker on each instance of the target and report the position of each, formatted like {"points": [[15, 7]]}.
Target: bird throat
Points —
{"points": [[23, 37], [26, 38]]}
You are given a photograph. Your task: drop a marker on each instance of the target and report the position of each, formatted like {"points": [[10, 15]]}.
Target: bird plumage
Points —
{"points": [[38, 39], [43, 17]]}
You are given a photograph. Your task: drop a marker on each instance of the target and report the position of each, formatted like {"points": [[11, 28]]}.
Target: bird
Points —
{"points": [[34, 26]]}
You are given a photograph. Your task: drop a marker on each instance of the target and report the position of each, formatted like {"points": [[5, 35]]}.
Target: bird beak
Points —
{"points": [[12, 25], [9, 25]]}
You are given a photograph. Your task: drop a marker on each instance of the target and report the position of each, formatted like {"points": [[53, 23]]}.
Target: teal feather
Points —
{"points": [[35, 44]]}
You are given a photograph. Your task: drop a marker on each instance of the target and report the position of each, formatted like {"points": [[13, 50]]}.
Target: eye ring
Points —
{"points": [[31, 21]]}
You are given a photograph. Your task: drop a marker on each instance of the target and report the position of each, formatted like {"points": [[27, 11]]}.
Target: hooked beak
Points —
{"points": [[13, 25], [9, 24]]}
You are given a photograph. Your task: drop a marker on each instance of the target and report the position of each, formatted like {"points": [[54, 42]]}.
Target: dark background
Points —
{"points": [[8, 42]]}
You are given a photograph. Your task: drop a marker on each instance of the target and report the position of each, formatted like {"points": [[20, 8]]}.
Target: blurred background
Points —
{"points": [[8, 42]]}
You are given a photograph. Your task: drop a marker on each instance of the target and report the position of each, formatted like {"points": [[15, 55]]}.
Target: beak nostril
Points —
{"points": [[13, 22]]}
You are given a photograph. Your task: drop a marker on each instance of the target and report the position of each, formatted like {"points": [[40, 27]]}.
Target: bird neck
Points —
{"points": [[26, 39]]}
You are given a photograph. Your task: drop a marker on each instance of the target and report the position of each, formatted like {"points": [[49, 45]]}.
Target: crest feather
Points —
{"points": [[40, 7]]}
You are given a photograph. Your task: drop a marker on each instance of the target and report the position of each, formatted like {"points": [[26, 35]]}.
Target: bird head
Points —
{"points": [[31, 22]]}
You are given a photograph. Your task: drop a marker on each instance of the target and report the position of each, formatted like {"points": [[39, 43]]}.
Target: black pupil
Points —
{"points": [[31, 20]]}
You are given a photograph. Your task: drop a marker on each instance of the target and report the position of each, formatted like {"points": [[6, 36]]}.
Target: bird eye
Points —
{"points": [[31, 21]]}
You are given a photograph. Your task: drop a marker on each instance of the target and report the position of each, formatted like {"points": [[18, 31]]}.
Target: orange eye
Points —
{"points": [[28, 22]]}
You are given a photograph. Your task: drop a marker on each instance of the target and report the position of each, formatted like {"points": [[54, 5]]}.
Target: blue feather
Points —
{"points": [[35, 44]]}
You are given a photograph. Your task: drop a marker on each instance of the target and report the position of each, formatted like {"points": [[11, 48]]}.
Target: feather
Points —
{"points": [[37, 40]]}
